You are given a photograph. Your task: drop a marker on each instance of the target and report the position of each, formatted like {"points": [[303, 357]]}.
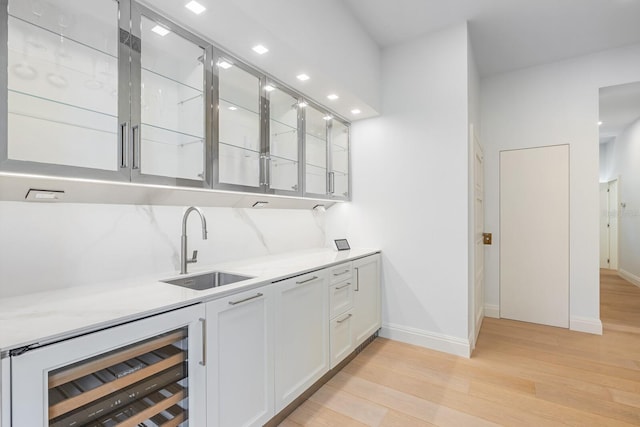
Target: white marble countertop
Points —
{"points": [[46, 317]]}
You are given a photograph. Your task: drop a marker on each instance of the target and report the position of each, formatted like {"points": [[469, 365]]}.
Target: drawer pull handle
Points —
{"points": [[203, 362], [343, 286], [307, 281], [345, 319], [258, 295], [341, 273]]}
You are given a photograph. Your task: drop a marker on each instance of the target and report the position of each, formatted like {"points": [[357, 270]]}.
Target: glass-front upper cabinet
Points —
{"points": [[284, 173], [64, 78], [339, 182], [316, 140], [327, 155], [239, 158], [171, 106]]}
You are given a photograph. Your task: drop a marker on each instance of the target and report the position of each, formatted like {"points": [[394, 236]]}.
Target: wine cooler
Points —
{"points": [[154, 380]]}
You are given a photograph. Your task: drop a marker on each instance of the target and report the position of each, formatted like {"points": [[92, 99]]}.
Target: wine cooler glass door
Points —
{"points": [[147, 372]]}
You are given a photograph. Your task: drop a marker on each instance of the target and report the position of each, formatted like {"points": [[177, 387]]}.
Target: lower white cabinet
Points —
{"points": [[301, 335], [340, 331], [354, 308], [240, 359], [367, 317]]}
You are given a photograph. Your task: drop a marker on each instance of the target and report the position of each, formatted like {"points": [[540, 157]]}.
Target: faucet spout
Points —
{"points": [[183, 252]]}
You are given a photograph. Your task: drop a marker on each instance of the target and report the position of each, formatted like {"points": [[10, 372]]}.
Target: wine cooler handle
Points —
{"points": [[203, 362]]}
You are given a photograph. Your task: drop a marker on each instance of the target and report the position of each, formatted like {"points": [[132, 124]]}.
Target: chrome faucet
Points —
{"points": [[183, 252]]}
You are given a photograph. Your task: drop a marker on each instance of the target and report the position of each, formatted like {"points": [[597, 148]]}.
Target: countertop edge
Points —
{"points": [[256, 282]]}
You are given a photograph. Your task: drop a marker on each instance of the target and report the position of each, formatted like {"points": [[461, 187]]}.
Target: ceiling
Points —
{"points": [[619, 107], [508, 34]]}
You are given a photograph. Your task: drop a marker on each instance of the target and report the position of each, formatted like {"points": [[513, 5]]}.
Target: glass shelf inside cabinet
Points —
{"points": [[239, 126], [63, 82], [172, 105], [283, 141]]}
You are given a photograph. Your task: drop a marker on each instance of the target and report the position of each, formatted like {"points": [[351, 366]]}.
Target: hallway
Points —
{"points": [[619, 303]]}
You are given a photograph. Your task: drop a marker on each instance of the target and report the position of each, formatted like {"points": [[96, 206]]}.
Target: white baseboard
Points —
{"points": [[491, 310], [629, 277], [585, 324], [427, 339]]}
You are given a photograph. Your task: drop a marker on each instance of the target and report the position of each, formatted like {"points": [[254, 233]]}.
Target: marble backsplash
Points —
{"points": [[51, 246]]}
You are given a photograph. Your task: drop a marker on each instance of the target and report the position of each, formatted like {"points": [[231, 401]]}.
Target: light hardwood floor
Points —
{"points": [[520, 374]]}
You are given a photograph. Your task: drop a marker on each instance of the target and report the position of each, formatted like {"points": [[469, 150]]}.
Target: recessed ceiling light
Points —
{"points": [[327, 117], [195, 7], [224, 64], [160, 30], [232, 108], [599, 123], [269, 88], [260, 50], [333, 97], [356, 111], [303, 77], [302, 104]]}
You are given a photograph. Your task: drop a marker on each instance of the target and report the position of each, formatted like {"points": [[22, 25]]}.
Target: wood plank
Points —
{"points": [[352, 406]]}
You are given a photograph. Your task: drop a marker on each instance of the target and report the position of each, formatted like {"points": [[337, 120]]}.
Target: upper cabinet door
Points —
{"points": [[339, 182], [171, 106], [284, 172], [64, 79], [316, 143], [239, 160]]}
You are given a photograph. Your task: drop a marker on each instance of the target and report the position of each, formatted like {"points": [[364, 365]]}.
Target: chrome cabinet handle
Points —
{"points": [[332, 182], [258, 295], [357, 279], [124, 144], [345, 319], [307, 281], [135, 137], [343, 286], [340, 274], [203, 321]]}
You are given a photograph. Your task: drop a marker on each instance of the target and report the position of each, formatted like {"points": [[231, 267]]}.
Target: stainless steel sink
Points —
{"points": [[209, 280]]}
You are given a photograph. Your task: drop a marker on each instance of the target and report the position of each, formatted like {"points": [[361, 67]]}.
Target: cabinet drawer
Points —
{"points": [[340, 297], [340, 272], [341, 338]]}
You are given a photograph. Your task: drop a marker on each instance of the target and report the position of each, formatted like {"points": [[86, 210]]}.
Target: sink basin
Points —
{"points": [[209, 280]]}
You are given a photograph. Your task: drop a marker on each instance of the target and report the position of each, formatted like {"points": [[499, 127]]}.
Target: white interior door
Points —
{"points": [[604, 225], [534, 235], [478, 185]]}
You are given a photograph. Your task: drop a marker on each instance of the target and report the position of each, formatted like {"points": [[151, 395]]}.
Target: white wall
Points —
{"points": [[623, 162], [410, 180], [605, 161], [49, 246], [546, 105]]}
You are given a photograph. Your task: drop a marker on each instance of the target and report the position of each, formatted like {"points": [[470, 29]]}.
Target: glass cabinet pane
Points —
{"points": [[238, 126], [316, 151], [340, 159], [283, 141], [172, 133], [63, 82]]}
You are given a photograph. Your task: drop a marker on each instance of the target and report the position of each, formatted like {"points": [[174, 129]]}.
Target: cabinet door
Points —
{"points": [[240, 158], [339, 182], [240, 353], [316, 147], [171, 106], [341, 338], [301, 335], [284, 171], [66, 66], [147, 372], [366, 298]]}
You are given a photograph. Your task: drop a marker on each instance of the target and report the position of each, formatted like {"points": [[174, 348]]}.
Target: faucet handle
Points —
{"points": [[194, 258]]}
